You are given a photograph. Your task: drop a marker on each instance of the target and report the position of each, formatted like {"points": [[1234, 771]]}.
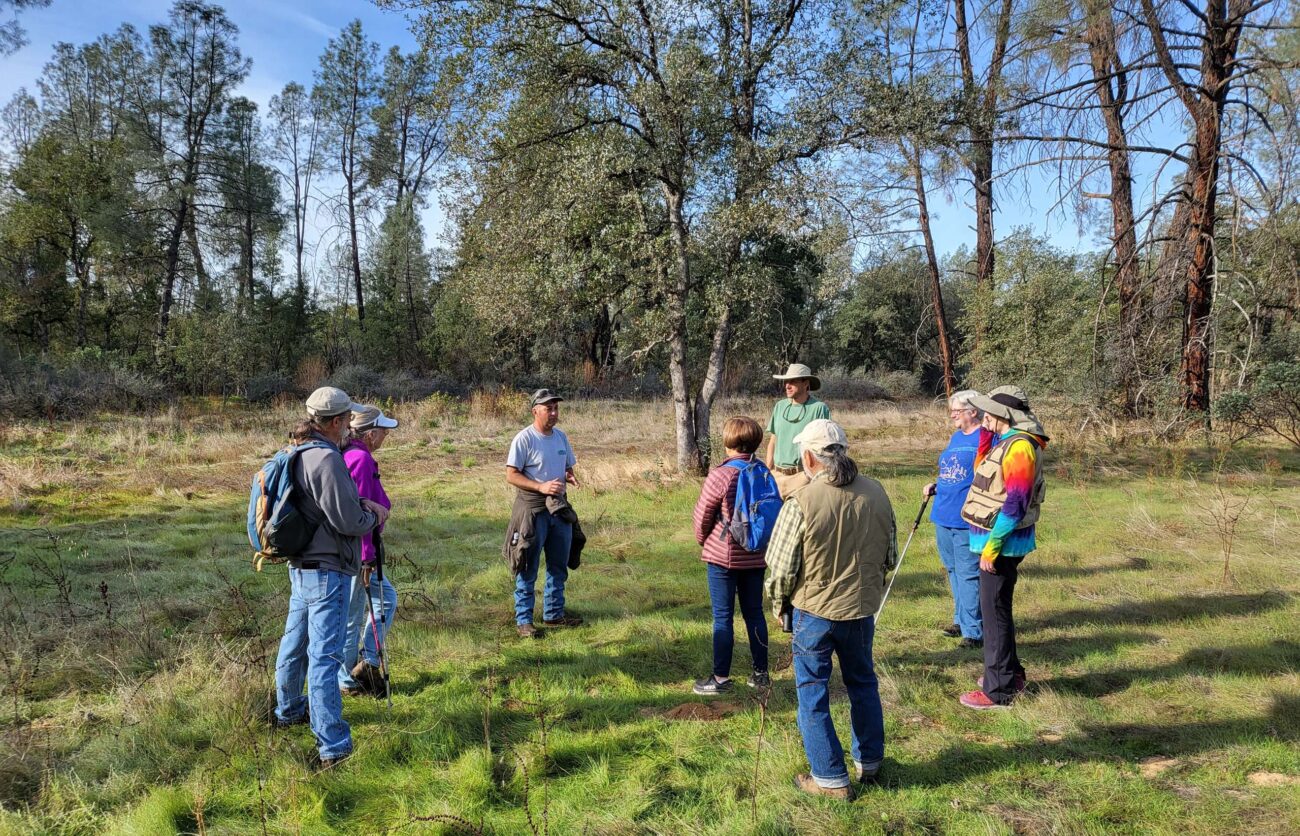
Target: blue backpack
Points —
{"points": [[277, 528], [757, 503]]}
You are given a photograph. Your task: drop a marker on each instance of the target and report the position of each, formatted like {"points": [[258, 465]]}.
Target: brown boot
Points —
{"points": [[369, 678], [528, 631], [806, 783]]}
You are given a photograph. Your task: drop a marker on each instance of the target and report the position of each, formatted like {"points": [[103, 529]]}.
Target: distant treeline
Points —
{"points": [[672, 198]]}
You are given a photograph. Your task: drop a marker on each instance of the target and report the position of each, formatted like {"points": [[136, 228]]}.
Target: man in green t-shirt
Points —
{"points": [[789, 417]]}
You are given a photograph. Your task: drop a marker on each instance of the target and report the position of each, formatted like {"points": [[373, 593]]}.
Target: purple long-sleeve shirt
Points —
{"points": [[365, 472]]}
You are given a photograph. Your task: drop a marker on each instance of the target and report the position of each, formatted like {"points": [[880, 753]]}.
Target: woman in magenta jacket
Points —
{"points": [[733, 572], [368, 601]]}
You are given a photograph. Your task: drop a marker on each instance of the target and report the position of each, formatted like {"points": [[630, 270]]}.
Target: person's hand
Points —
{"points": [[986, 565], [378, 510], [779, 607], [366, 570], [555, 487], [571, 478], [928, 490]]}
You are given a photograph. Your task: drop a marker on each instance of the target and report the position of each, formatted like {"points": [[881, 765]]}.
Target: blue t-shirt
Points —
{"points": [[956, 469], [539, 456]]}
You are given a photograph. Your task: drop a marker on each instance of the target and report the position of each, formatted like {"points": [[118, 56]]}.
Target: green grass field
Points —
{"points": [[137, 646]]}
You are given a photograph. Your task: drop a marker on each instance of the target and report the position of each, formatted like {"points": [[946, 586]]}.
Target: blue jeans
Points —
{"points": [[312, 647], [360, 639], [815, 639], [724, 586], [553, 536], [963, 567]]}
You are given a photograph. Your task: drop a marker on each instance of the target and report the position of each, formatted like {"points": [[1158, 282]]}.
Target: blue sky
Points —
{"points": [[284, 39]]}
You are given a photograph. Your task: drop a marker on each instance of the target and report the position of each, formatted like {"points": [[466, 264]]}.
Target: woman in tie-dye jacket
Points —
{"points": [[1002, 509]]}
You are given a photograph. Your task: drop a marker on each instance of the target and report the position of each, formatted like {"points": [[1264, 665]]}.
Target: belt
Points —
{"points": [[308, 564], [787, 471]]}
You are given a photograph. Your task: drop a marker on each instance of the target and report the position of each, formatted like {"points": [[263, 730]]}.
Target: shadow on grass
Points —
{"points": [[1054, 650], [1277, 657], [1117, 744], [1163, 610]]}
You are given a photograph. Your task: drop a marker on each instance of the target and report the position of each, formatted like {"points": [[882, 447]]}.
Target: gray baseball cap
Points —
{"points": [[543, 396], [328, 401]]}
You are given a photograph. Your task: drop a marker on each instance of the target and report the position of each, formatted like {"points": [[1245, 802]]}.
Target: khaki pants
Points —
{"points": [[789, 484]]}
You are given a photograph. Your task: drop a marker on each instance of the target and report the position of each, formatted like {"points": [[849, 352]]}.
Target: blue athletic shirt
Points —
{"points": [[956, 469]]}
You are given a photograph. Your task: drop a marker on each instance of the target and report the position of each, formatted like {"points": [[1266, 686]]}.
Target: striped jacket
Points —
{"points": [[712, 512]]}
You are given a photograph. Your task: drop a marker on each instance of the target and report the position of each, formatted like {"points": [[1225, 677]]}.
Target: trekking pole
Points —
{"points": [[383, 621], [915, 525]]}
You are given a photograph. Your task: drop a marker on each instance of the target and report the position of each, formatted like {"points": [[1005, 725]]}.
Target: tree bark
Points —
{"points": [[688, 448], [1205, 101], [946, 354], [1108, 69]]}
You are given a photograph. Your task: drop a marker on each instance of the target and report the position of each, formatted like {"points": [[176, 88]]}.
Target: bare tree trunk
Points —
{"points": [[1108, 69], [688, 449], [171, 258], [1205, 99], [349, 176], [946, 354], [710, 387]]}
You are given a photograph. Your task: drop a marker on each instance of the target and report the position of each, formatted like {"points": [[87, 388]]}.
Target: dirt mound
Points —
{"points": [[694, 711]]}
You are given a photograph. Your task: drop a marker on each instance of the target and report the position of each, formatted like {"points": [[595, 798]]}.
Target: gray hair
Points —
{"points": [[961, 400], [840, 469]]}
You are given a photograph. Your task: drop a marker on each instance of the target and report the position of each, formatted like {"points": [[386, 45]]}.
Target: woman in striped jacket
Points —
{"points": [[733, 572]]}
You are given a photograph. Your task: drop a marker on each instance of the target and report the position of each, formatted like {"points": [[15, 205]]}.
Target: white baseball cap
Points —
{"points": [[820, 434], [371, 416]]}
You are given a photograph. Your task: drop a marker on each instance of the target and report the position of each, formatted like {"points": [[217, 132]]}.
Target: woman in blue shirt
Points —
{"points": [[956, 468]]}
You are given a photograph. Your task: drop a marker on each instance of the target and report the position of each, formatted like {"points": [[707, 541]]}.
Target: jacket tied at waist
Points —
{"points": [[521, 534]]}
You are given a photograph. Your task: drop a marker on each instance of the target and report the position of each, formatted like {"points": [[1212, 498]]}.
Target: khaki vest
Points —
{"points": [[988, 492], [846, 542]]}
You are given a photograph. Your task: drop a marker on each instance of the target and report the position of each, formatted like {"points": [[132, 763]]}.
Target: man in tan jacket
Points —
{"points": [[831, 548]]}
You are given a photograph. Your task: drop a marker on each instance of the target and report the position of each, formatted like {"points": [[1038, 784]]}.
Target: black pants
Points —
{"points": [[1001, 664]]}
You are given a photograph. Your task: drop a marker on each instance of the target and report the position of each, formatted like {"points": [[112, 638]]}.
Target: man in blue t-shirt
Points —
{"points": [[540, 465], [951, 533]]}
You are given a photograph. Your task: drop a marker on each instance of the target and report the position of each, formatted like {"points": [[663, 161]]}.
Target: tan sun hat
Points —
{"points": [[798, 371], [1011, 404], [820, 434], [329, 401], [368, 416]]}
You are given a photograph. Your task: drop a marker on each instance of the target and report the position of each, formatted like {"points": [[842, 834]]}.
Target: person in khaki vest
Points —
{"points": [[1002, 509], [832, 545]]}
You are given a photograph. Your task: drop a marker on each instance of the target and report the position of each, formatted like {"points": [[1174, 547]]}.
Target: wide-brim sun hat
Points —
{"points": [[329, 402], [369, 417], [1011, 404], [798, 371]]}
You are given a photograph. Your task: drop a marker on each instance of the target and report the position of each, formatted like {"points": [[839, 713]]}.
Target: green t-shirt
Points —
{"points": [[788, 420]]}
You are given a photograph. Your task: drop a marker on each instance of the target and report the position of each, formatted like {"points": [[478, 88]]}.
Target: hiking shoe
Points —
{"points": [[568, 620], [806, 783], [709, 686], [330, 763], [952, 631], [978, 700], [759, 679], [528, 631], [1018, 683], [867, 773], [370, 679], [353, 692], [966, 644], [301, 720]]}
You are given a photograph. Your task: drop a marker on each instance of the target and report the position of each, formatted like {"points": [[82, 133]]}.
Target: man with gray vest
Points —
{"points": [[833, 543]]}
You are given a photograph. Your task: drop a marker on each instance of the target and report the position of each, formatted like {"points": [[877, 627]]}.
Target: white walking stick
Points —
{"points": [[899, 565]]}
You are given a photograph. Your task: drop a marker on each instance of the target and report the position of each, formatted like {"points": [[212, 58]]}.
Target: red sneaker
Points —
{"points": [[978, 700]]}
